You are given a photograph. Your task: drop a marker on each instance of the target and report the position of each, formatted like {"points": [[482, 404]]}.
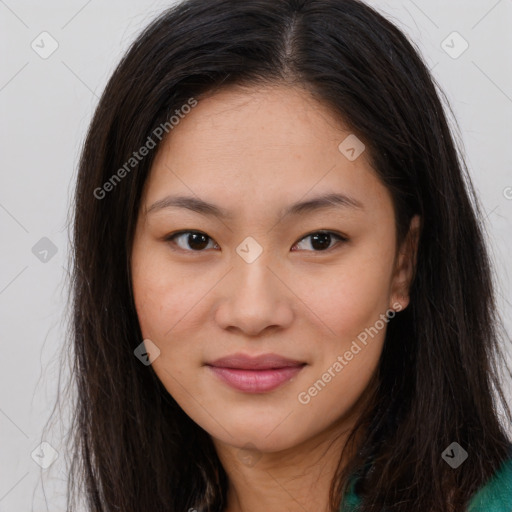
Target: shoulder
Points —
{"points": [[496, 494]]}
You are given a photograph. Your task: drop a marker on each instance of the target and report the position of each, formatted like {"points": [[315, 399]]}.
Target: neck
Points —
{"points": [[295, 479]]}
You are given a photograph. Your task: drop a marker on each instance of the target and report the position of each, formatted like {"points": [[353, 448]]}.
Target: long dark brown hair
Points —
{"points": [[132, 446]]}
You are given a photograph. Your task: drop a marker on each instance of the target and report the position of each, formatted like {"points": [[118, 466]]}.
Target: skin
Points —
{"points": [[254, 151]]}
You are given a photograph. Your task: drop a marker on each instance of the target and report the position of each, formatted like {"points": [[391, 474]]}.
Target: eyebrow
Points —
{"points": [[323, 202]]}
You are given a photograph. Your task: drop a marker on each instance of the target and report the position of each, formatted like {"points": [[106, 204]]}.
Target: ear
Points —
{"points": [[405, 266]]}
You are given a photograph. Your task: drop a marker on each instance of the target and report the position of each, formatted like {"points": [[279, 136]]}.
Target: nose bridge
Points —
{"points": [[255, 298], [251, 266]]}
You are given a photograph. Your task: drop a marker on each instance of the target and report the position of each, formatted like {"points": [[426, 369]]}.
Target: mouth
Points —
{"points": [[259, 374]]}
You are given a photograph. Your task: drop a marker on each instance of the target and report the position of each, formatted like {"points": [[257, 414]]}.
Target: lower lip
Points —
{"points": [[256, 381]]}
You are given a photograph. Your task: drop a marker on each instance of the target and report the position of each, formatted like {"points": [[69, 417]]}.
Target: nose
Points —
{"points": [[255, 298]]}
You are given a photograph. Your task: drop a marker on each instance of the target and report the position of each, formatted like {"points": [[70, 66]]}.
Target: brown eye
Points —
{"points": [[192, 241], [321, 240], [196, 241]]}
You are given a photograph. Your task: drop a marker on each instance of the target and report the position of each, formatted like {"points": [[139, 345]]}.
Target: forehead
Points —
{"points": [[280, 119], [253, 147]]}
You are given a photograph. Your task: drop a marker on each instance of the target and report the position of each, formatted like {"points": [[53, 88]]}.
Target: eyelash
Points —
{"points": [[341, 239]]}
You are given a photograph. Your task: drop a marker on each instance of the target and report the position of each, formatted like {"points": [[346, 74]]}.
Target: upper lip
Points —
{"points": [[261, 362]]}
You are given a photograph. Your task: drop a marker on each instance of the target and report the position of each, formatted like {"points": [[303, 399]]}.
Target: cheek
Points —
{"points": [[162, 313], [159, 308], [351, 305], [333, 395], [154, 303], [162, 295], [167, 302], [351, 297]]}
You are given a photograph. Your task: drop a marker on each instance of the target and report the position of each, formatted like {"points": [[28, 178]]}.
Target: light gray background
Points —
{"points": [[46, 105]]}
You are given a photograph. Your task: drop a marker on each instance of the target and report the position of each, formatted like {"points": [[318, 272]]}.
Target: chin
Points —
{"points": [[261, 436]]}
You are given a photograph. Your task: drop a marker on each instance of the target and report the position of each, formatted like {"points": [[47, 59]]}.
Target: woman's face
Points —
{"points": [[258, 279]]}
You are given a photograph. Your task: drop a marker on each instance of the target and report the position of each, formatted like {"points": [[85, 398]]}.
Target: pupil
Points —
{"points": [[195, 238], [322, 238]]}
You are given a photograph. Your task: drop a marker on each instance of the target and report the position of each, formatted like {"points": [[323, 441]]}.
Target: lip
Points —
{"points": [[258, 374]]}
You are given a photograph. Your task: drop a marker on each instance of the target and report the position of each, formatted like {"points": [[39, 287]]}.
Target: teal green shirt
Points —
{"points": [[495, 496]]}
